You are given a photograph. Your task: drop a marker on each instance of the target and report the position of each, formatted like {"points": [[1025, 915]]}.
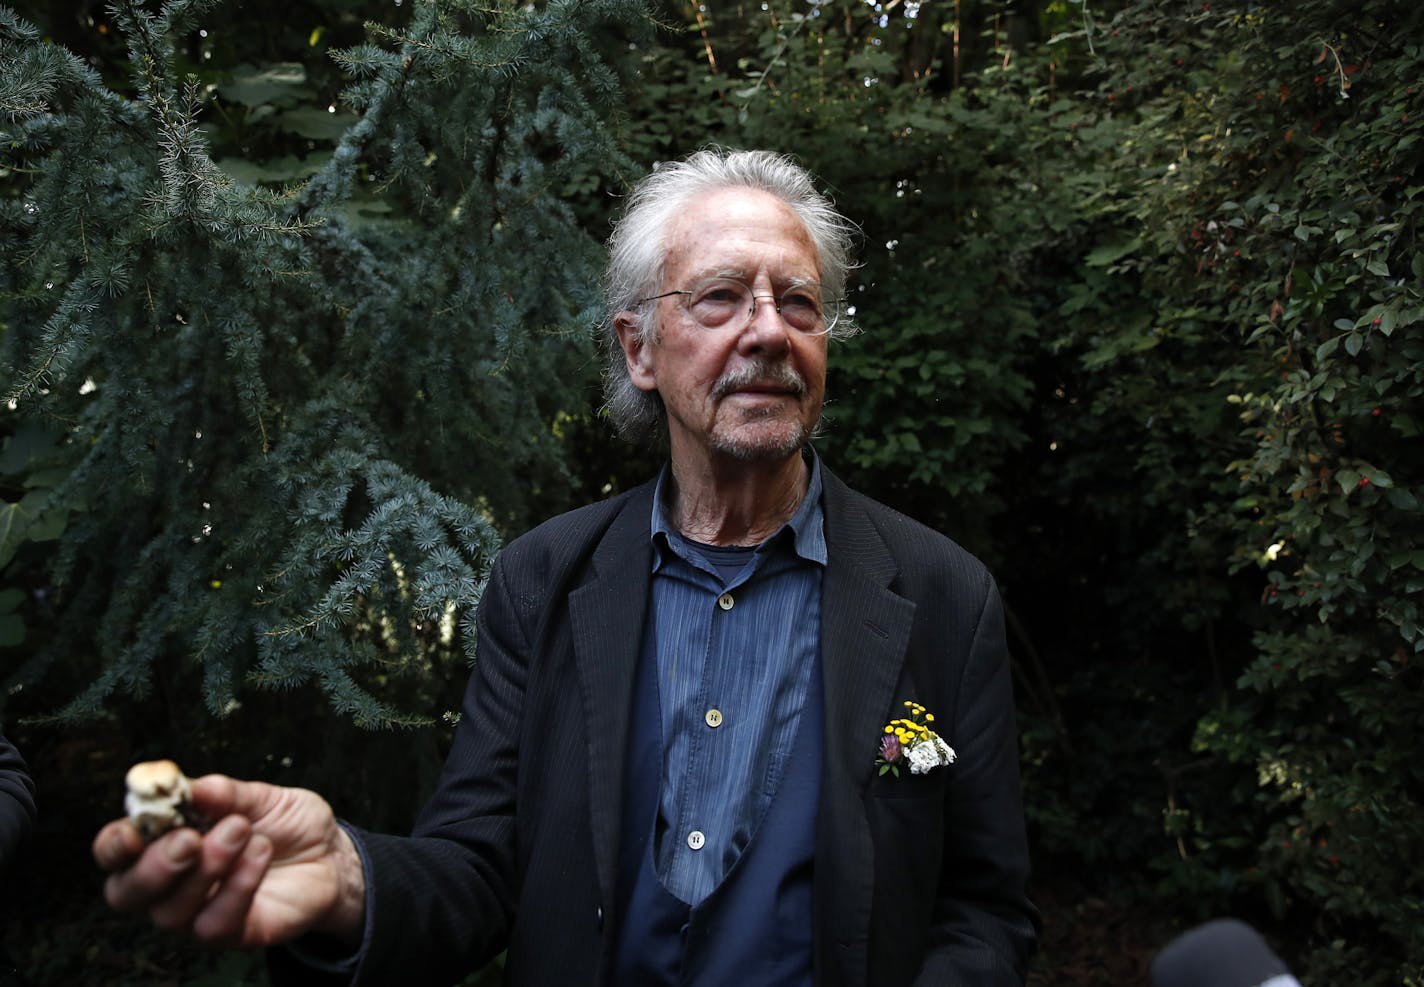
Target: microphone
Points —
{"points": [[1223, 953]]}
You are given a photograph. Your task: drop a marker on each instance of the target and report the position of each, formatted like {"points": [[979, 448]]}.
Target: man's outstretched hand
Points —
{"points": [[274, 866]]}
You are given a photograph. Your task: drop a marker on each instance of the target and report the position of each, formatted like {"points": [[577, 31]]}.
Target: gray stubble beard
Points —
{"points": [[762, 371]]}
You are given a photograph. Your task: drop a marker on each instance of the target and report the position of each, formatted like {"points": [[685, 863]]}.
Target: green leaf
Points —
{"points": [[15, 521], [251, 86], [1398, 560], [314, 122], [1403, 499], [29, 442], [12, 630], [1110, 253]]}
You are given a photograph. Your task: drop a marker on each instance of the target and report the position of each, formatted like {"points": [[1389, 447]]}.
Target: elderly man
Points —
{"points": [[740, 725]]}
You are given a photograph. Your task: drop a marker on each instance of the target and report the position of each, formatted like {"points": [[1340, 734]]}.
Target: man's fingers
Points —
{"points": [[117, 845], [224, 919], [216, 796], [216, 855], [153, 873]]}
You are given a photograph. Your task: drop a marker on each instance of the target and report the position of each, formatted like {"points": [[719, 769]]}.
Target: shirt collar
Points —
{"points": [[807, 524]]}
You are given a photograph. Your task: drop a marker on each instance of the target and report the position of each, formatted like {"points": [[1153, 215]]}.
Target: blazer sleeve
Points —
{"points": [[511, 800], [442, 900], [984, 926], [17, 803]]}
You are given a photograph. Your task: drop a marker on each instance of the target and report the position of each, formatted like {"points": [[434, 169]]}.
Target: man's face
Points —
{"points": [[752, 394]]}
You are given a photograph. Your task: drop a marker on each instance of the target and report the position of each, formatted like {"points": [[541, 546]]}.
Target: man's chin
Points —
{"points": [[761, 442]]}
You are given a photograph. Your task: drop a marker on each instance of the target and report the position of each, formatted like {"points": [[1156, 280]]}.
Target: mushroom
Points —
{"points": [[158, 799]]}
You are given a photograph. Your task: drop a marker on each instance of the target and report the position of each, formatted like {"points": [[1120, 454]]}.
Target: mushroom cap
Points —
{"points": [[159, 798], [156, 779]]}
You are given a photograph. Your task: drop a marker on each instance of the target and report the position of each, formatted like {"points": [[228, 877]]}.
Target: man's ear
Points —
{"points": [[637, 350]]}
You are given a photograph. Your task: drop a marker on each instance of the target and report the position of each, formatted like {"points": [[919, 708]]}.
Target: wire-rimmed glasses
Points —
{"points": [[729, 304]]}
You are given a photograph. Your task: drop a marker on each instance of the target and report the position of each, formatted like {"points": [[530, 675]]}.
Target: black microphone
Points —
{"points": [[1223, 953]]}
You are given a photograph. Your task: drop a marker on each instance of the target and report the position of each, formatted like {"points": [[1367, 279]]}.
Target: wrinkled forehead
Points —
{"points": [[741, 233]]}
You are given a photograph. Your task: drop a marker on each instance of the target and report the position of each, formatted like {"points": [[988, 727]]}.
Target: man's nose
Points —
{"points": [[765, 329]]}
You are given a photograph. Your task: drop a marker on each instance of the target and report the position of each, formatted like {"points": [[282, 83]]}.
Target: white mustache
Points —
{"points": [[761, 372]]}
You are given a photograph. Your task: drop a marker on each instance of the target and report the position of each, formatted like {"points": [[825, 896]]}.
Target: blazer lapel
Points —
{"points": [[865, 627], [606, 616]]}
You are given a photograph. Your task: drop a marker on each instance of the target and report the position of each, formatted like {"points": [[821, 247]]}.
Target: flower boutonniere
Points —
{"points": [[910, 741]]}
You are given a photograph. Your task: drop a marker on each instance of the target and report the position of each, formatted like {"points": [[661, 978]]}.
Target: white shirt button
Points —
{"points": [[695, 839], [713, 718], [725, 601]]}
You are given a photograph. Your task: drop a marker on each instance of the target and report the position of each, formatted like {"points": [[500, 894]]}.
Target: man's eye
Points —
{"points": [[800, 301], [719, 292], [720, 296]]}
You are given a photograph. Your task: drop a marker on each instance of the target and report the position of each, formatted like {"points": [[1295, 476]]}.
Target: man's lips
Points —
{"points": [[771, 390]]}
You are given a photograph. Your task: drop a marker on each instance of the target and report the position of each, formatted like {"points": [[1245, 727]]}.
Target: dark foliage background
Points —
{"points": [[296, 310]]}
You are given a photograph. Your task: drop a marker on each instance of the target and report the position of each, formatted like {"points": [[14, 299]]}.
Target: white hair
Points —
{"points": [[637, 251]]}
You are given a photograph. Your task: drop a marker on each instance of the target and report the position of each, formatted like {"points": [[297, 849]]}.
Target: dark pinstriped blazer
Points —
{"points": [[918, 879]]}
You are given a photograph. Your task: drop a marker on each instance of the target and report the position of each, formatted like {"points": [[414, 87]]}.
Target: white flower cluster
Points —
{"points": [[932, 752]]}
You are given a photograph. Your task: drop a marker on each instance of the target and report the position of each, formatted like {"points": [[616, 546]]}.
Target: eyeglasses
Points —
{"points": [[725, 303]]}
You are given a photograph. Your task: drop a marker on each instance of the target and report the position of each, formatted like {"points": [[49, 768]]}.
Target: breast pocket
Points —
{"points": [[906, 816], [909, 786]]}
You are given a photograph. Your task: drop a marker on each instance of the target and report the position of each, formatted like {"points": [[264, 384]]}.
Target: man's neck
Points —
{"points": [[736, 503]]}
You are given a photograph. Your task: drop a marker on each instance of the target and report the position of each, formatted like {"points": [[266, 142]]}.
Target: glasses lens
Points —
{"points": [[721, 303], [718, 303], [801, 308]]}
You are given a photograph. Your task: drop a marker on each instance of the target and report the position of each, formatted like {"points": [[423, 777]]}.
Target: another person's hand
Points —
{"points": [[274, 866]]}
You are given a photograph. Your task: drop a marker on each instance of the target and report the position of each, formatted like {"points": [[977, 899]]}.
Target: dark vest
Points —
{"points": [[754, 929]]}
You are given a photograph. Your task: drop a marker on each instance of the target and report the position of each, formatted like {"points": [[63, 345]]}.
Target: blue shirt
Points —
{"points": [[734, 656]]}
